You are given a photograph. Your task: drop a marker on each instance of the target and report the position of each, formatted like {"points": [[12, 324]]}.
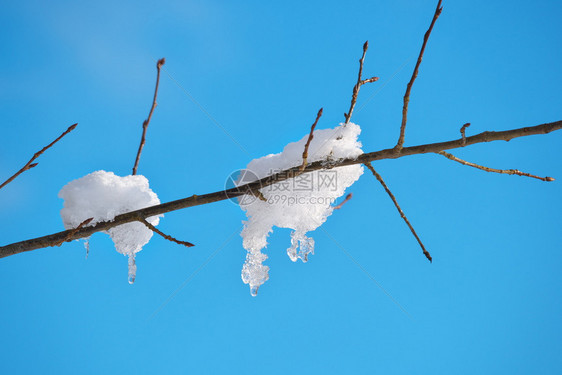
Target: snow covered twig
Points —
{"points": [[159, 64], [168, 237], [30, 164], [487, 169], [400, 143], [196, 200], [402, 214]]}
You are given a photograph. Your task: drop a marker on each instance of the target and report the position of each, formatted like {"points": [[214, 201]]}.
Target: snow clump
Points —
{"points": [[103, 195], [301, 203]]}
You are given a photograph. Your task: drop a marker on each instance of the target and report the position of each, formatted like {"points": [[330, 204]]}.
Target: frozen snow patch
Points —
{"points": [[301, 203], [103, 195]]}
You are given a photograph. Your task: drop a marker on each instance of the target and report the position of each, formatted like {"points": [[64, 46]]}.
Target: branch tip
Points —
{"points": [[463, 130], [402, 214], [30, 164], [360, 82], [400, 142], [145, 123], [168, 237], [494, 170], [347, 198]]}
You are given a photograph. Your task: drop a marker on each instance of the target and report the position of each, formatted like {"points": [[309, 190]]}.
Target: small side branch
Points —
{"points": [[347, 197], [310, 136], [487, 169], [169, 238], [159, 64], [402, 214], [400, 143], [30, 164], [360, 82], [258, 194], [463, 130], [73, 231]]}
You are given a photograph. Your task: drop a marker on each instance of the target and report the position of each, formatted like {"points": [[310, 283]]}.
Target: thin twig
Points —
{"points": [[360, 82], [72, 231], [348, 197], [355, 93], [310, 136], [197, 200], [258, 194], [463, 130], [30, 164], [402, 214], [487, 169], [159, 64], [169, 238], [400, 143]]}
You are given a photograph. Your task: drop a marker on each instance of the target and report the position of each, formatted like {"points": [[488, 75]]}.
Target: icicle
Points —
{"points": [[132, 268], [301, 246], [254, 273], [254, 290], [87, 246]]}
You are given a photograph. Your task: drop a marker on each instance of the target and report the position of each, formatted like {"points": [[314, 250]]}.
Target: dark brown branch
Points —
{"points": [[159, 64], [310, 136], [400, 143], [360, 82], [30, 164], [72, 231], [402, 214], [169, 238], [348, 197], [463, 130], [196, 200], [487, 169]]}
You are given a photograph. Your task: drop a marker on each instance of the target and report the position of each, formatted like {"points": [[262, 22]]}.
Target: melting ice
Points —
{"points": [[302, 203], [103, 195]]}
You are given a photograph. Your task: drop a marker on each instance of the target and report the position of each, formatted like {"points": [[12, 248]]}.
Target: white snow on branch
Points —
{"points": [[103, 195], [301, 203]]}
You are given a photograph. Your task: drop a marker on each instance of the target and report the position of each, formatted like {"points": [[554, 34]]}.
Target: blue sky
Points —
{"points": [[491, 301]]}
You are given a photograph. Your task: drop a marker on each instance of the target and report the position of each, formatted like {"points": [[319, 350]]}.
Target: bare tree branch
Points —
{"points": [[196, 200], [30, 164], [487, 169], [400, 143], [310, 136], [360, 82], [347, 197], [402, 214], [159, 64], [169, 238]]}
